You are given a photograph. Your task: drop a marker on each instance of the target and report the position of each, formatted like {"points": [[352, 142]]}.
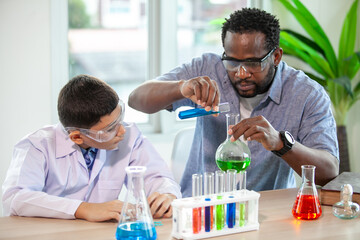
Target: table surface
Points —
{"points": [[275, 219]]}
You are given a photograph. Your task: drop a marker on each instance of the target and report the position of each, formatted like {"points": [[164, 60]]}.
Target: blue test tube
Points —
{"points": [[231, 207], [198, 112], [208, 190], [219, 189]]}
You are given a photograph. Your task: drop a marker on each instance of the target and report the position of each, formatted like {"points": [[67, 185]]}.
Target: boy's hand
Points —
{"points": [[98, 212], [160, 204]]}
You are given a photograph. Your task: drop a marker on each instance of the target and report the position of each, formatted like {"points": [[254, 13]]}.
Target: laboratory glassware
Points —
{"points": [[209, 210], [136, 221], [198, 112], [232, 155], [196, 192], [220, 209], [307, 204], [231, 207], [346, 209], [242, 205]]}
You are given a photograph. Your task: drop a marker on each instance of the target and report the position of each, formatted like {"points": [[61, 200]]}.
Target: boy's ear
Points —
{"points": [[75, 136]]}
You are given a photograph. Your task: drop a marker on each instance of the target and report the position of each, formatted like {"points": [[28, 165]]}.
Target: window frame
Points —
{"points": [[162, 55]]}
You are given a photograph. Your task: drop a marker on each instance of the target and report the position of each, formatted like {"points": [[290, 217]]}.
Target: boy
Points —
{"points": [[76, 169]]}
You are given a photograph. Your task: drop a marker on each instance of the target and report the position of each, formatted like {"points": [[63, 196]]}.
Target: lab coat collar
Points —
{"points": [[64, 145]]}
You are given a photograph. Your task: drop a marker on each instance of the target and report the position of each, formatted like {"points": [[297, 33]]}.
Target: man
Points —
{"points": [[76, 169], [285, 116]]}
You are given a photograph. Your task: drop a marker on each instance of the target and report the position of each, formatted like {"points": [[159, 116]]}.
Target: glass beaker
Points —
{"points": [[136, 221], [307, 204], [232, 155]]}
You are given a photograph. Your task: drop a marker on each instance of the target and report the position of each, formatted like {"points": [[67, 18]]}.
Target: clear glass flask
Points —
{"points": [[307, 204], [136, 221], [346, 209], [232, 155]]}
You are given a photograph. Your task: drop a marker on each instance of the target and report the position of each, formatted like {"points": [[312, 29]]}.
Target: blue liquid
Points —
{"points": [[230, 215], [135, 231], [208, 217], [196, 112]]}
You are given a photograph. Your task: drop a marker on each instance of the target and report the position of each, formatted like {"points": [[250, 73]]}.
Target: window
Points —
{"points": [[126, 42]]}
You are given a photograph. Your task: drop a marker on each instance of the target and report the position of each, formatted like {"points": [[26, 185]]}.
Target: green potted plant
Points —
{"points": [[338, 74]]}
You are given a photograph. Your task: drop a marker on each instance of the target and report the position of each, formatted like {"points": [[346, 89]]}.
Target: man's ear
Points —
{"points": [[75, 136], [278, 55]]}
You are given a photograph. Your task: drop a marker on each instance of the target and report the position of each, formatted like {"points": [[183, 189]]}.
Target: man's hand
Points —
{"points": [[259, 129], [98, 212], [202, 91], [160, 204]]}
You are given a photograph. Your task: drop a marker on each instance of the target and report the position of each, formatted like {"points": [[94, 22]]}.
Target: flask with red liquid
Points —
{"points": [[307, 204]]}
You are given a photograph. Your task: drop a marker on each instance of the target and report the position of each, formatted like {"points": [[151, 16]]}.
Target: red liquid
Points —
{"points": [[307, 207], [196, 220]]}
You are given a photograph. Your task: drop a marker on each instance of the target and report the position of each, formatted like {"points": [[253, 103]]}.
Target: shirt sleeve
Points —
{"points": [[25, 180]]}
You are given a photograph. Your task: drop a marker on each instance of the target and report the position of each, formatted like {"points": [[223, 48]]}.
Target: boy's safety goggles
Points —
{"points": [[253, 65], [105, 134]]}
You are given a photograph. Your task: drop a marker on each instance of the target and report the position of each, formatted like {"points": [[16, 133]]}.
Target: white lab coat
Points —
{"points": [[48, 176]]}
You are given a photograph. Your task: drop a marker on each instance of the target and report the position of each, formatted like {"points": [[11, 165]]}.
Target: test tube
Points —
{"points": [[231, 207], [196, 192], [208, 190], [219, 188], [242, 205]]}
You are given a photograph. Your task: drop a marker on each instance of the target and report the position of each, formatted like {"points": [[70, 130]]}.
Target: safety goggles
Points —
{"points": [[105, 134], [252, 65]]}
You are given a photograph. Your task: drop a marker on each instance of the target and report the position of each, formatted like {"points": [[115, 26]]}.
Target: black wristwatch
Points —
{"points": [[288, 141]]}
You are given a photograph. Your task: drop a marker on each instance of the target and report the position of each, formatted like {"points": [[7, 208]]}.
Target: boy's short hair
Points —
{"points": [[84, 100]]}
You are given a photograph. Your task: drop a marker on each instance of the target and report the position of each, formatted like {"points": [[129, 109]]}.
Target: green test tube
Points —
{"points": [[219, 209], [242, 205]]}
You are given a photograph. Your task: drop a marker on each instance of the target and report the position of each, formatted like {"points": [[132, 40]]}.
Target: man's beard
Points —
{"points": [[259, 88]]}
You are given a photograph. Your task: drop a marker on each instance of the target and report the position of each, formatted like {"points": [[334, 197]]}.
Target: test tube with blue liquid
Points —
{"points": [[231, 207], [196, 192], [209, 210], [219, 209], [198, 112]]}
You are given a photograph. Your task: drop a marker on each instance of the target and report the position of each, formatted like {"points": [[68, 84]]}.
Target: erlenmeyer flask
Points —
{"points": [[307, 204], [232, 155], [136, 221]]}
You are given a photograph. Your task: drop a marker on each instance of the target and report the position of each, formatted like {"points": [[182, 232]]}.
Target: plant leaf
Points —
{"points": [[351, 65], [344, 81], [313, 28], [310, 52], [306, 40], [348, 33]]}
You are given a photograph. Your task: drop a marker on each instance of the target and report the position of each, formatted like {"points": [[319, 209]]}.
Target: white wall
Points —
{"points": [[26, 99], [25, 95]]}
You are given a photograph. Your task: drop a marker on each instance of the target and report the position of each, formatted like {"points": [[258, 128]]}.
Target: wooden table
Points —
{"points": [[275, 218]]}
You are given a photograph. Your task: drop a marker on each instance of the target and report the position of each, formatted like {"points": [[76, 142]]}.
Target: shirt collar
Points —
{"points": [[277, 85]]}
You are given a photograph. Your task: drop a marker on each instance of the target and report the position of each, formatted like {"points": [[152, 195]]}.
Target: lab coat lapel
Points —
{"points": [[98, 164]]}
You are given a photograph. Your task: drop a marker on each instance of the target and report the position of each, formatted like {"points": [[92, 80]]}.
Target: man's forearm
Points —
{"points": [[154, 96], [327, 166]]}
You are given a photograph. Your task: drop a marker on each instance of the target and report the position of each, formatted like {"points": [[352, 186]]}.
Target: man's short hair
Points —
{"points": [[249, 20]]}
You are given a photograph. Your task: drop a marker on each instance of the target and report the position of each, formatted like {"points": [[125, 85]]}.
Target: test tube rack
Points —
{"points": [[182, 214]]}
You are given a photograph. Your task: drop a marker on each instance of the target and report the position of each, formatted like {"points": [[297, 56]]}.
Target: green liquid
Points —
{"points": [[220, 215], [238, 165], [242, 214]]}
